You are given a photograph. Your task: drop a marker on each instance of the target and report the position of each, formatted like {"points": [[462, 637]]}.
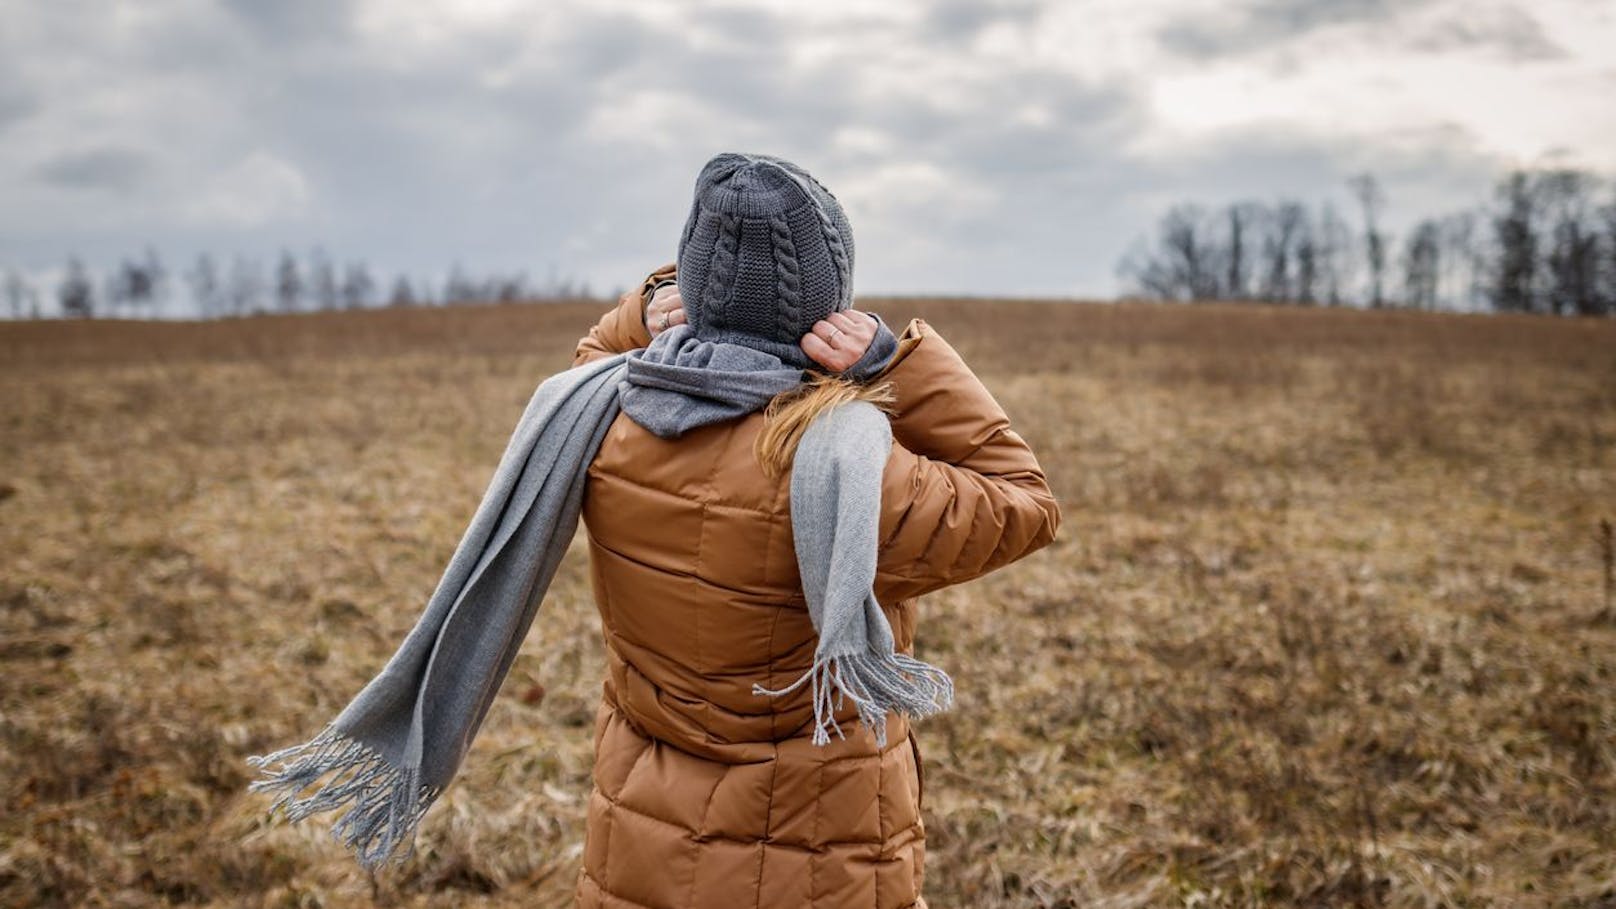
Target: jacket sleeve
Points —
{"points": [[962, 493], [622, 328]]}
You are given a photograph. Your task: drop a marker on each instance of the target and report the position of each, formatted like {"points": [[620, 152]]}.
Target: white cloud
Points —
{"points": [[257, 190]]}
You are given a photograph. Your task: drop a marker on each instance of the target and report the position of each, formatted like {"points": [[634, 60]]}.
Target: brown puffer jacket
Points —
{"points": [[706, 795]]}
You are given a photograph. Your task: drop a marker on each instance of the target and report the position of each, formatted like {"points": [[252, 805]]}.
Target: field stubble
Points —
{"points": [[1326, 623]]}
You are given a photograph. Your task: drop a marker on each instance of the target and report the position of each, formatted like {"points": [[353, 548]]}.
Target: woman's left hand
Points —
{"points": [[837, 341], [664, 310]]}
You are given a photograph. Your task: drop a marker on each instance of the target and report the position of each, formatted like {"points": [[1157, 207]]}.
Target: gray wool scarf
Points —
{"points": [[682, 381], [398, 743]]}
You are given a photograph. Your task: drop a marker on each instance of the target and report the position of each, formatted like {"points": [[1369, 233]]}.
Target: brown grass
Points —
{"points": [[1325, 624]]}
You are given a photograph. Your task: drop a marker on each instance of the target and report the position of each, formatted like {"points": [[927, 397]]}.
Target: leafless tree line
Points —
{"points": [[1543, 244], [143, 287]]}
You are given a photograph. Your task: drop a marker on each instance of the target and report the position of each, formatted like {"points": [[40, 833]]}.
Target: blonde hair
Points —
{"points": [[788, 414]]}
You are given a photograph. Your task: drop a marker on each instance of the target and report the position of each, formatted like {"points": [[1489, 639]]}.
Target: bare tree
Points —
{"points": [[76, 294], [1370, 199], [1334, 243], [1307, 261], [1515, 231], [205, 288], [1145, 274], [245, 292], [1184, 263], [1239, 218], [112, 293], [157, 277], [1422, 265], [288, 283], [357, 286], [457, 288], [511, 289], [1189, 259], [1571, 259], [1459, 276], [20, 295], [133, 284], [326, 293], [1608, 259], [1279, 254], [403, 294]]}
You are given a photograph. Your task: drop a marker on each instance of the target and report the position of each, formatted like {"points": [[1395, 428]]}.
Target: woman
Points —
{"points": [[706, 793], [759, 533]]}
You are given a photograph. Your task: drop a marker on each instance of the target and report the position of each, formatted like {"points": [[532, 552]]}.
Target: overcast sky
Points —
{"points": [[978, 147]]}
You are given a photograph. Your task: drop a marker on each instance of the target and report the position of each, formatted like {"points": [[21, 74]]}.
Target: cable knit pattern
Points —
{"points": [[695, 260], [766, 252], [788, 279], [721, 272], [839, 255]]}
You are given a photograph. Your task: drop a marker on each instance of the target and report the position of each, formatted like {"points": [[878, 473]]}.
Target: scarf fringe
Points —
{"points": [[387, 801], [875, 683]]}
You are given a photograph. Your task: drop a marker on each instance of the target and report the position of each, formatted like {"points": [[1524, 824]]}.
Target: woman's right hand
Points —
{"points": [[665, 310], [840, 339]]}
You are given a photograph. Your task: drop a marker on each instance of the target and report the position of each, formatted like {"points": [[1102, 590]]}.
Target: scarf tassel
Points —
{"points": [[875, 683], [387, 800]]}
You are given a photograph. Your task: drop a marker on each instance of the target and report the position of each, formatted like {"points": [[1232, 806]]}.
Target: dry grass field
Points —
{"points": [[1326, 624]]}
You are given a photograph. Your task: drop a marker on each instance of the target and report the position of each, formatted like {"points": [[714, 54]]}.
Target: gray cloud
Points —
{"points": [[294, 20], [16, 103], [958, 21], [1241, 29], [1507, 31], [603, 43], [106, 168]]}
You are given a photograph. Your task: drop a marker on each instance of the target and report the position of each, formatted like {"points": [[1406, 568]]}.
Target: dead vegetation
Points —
{"points": [[1329, 622]]}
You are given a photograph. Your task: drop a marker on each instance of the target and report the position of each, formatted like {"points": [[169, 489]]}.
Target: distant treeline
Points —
{"points": [[144, 287], [1545, 243]]}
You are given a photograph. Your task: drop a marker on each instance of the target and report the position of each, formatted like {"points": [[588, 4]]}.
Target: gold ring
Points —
{"points": [[834, 332]]}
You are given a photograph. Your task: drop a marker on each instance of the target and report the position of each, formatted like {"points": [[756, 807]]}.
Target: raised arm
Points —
{"points": [[622, 328], [962, 494]]}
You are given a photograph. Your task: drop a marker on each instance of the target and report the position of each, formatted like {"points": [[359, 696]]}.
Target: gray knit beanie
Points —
{"points": [[766, 252]]}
